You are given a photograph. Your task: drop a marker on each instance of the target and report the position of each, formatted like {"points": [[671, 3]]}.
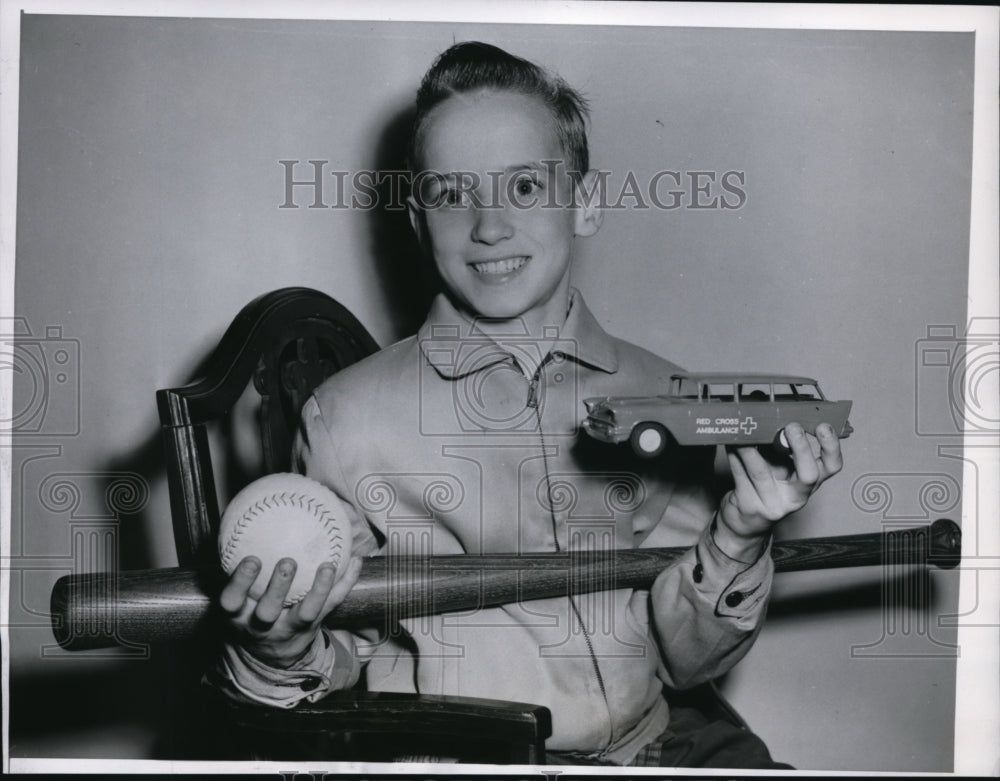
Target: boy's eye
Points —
{"points": [[441, 197], [526, 184], [438, 191], [453, 196]]}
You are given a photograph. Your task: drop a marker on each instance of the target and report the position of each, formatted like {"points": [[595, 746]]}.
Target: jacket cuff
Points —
{"points": [[326, 666], [740, 586]]}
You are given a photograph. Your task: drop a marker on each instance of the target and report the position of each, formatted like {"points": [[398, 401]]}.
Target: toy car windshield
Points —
{"points": [[715, 409]]}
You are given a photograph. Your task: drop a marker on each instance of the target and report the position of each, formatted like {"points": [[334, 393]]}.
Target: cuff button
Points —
{"points": [[309, 684], [734, 598], [698, 574]]}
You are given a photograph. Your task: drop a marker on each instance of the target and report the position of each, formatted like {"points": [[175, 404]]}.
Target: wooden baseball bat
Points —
{"points": [[132, 609]]}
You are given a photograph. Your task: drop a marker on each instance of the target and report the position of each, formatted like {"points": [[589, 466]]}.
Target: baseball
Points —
{"points": [[285, 515]]}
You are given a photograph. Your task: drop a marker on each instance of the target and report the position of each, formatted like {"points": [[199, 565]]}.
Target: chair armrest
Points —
{"points": [[390, 712], [457, 722]]}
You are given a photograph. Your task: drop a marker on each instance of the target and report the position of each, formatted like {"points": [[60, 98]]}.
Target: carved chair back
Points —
{"points": [[286, 342]]}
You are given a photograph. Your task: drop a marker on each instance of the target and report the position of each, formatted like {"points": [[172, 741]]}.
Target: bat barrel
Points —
{"points": [[393, 588]]}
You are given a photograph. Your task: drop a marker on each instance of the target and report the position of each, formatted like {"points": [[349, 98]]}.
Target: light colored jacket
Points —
{"points": [[452, 442]]}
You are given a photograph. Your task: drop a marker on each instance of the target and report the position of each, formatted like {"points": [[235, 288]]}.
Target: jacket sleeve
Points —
{"points": [[328, 666], [707, 608], [335, 658]]}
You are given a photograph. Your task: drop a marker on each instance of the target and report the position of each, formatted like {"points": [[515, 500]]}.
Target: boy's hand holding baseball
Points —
{"points": [[765, 491], [273, 633], [273, 526]]}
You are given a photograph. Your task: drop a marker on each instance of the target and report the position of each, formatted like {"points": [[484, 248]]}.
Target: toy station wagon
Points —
{"points": [[715, 409]]}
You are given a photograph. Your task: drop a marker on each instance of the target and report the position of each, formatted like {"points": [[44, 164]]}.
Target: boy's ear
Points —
{"points": [[416, 220], [587, 197]]}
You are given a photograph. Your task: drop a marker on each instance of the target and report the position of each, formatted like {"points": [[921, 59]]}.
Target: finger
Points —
{"points": [[234, 594], [755, 467], [343, 586], [271, 603], [806, 465], [747, 494], [830, 453], [309, 608]]}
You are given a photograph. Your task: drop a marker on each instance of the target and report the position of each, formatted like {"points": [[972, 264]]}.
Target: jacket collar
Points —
{"points": [[456, 347]]}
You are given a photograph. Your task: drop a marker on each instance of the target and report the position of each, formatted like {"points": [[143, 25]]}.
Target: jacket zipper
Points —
{"points": [[532, 402]]}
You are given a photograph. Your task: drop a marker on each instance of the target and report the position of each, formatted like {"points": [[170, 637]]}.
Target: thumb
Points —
{"points": [[343, 586]]}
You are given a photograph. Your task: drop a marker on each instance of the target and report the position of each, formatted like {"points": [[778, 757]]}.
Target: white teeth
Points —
{"points": [[500, 266]]}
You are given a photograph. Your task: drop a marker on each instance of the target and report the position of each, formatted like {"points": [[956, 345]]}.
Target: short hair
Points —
{"points": [[471, 66]]}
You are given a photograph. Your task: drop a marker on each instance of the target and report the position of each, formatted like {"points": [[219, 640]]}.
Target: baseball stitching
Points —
{"points": [[317, 509]]}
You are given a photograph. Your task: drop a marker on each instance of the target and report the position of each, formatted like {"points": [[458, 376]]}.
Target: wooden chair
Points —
{"points": [[287, 342]]}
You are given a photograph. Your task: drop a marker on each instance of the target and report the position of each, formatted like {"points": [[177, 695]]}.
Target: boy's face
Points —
{"points": [[499, 223]]}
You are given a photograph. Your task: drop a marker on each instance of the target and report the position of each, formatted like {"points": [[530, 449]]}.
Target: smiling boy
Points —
{"points": [[466, 439]]}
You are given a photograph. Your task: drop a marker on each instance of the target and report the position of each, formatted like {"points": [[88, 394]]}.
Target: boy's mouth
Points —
{"points": [[505, 266]]}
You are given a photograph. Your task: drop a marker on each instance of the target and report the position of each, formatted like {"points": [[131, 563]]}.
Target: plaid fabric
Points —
{"points": [[693, 741], [649, 756], [716, 745]]}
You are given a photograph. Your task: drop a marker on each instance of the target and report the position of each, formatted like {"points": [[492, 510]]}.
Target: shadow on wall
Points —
{"points": [[409, 282], [911, 587]]}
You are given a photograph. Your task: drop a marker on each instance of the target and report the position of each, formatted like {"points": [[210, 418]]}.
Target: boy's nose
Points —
{"points": [[491, 225]]}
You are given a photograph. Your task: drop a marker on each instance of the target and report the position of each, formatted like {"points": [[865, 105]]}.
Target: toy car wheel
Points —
{"points": [[649, 439], [780, 443]]}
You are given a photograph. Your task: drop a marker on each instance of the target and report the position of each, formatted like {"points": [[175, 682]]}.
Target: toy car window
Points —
{"points": [[806, 392], [719, 391], [684, 388], [783, 391], [755, 391]]}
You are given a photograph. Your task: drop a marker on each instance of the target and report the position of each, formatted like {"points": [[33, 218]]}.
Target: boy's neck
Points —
{"points": [[540, 328]]}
